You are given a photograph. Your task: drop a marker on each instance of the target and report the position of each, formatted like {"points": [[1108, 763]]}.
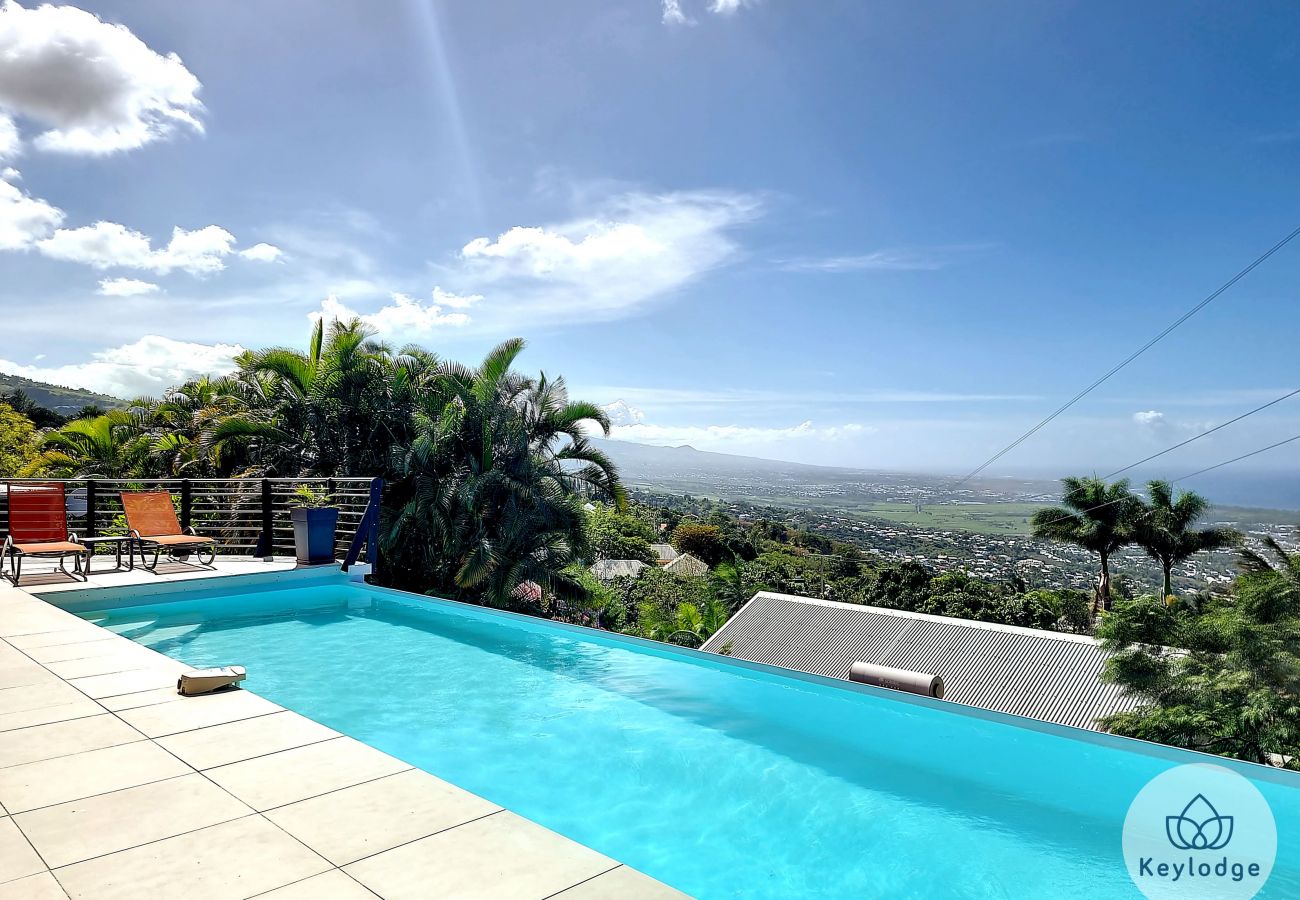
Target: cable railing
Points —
{"points": [[247, 516]]}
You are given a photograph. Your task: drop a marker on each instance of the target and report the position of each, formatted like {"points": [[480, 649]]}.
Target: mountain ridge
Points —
{"points": [[56, 397]]}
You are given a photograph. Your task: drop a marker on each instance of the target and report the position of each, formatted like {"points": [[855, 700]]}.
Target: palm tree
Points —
{"points": [[1164, 529], [1095, 516], [114, 445], [489, 492], [337, 409], [690, 624], [1282, 573]]}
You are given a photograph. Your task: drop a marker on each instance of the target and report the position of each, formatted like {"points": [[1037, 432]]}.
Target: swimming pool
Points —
{"points": [[719, 777]]}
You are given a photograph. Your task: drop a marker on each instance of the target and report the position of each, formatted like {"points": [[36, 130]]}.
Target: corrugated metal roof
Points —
{"points": [[688, 565], [664, 552], [1041, 674], [609, 569]]}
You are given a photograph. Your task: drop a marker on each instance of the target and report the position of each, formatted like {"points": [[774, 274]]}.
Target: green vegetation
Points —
{"points": [[766, 555], [307, 497], [19, 442], [981, 518], [1217, 674]]}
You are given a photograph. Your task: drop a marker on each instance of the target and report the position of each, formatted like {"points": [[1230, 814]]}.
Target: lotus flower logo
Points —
{"points": [[1199, 827]]}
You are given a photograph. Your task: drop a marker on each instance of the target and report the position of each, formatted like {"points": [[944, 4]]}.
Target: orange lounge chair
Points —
{"points": [[152, 521], [38, 527]]}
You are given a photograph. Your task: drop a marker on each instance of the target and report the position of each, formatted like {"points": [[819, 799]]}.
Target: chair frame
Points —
{"points": [[143, 544], [15, 557]]}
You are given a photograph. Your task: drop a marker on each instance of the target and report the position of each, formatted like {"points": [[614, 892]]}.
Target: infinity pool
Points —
{"points": [[720, 778]]}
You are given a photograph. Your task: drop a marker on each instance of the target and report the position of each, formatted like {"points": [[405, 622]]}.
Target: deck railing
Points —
{"points": [[248, 516]]}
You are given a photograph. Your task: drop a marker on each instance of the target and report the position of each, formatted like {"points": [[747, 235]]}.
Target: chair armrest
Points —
{"points": [[189, 529]]}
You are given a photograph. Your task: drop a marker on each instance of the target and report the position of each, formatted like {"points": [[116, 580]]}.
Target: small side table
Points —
{"points": [[119, 543]]}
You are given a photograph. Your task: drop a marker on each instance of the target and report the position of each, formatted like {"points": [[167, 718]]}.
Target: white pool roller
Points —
{"points": [[897, 679]]}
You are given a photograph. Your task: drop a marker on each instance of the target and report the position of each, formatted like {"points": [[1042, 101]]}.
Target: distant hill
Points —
{"points": [[62, 400], [649, 461]]}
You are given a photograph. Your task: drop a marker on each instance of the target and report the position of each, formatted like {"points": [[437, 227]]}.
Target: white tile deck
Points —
{"points": [[112, 786]]}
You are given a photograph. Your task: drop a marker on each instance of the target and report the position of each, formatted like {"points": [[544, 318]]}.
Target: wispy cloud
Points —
{"points": [[730, 435], [674, 14], [896, 259], [643, 395], [631, 250], [125, 287]]}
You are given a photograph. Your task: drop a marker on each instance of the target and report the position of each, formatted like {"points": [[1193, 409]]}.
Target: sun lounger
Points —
{"points": [[38, 527], [152, 521]]}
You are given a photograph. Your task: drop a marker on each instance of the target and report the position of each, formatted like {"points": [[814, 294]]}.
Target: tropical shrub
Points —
{"points": [[19, 443], [704, 542]]}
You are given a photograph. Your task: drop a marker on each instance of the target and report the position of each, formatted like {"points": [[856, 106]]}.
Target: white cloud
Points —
{"points": [[454, 301], [10, 143], [620, 413], [638, 248], [1149, 418], [262, 253], [125, 287], [94, 86], [146, 367], [24, 219], [405, 318], [673, 14], [105, 245], [727, 7]]}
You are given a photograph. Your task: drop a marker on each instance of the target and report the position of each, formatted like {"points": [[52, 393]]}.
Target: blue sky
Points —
{"points": [[885, 235]]}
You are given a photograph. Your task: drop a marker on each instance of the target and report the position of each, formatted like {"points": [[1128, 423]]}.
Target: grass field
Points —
{"points": [[982, 518]]}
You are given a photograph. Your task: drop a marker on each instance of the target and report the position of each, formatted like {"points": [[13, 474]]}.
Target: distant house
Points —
{"points": [[664, 553], [609, 569], [1044, 675], [687, 566]]}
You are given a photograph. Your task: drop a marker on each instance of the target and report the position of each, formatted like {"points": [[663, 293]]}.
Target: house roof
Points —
{"points": [[1044, 675], [664, 552], [687, 565], [609, 569]]}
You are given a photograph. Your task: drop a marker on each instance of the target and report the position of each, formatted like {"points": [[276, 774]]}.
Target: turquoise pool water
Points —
{"points": [[721, 780]]}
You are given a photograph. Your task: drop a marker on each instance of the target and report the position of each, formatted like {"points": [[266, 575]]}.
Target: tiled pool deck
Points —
{"points": [[113, 786]]}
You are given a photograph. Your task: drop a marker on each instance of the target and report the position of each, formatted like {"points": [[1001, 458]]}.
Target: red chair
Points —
{"points": [[38, 527]]}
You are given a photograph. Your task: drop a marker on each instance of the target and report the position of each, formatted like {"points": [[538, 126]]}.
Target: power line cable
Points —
{"points": [[1143, 349], [1204, 434], [1235, 459]]}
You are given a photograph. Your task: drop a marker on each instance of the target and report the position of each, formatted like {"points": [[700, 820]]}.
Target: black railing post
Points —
{"points": [[187, 501], [266, 542], [90, 507]]}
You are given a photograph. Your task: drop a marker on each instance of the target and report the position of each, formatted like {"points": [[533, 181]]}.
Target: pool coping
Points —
{"points": [[113, 786]]}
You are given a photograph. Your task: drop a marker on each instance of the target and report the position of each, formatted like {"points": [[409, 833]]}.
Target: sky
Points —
{"points": [[884, 235]]}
